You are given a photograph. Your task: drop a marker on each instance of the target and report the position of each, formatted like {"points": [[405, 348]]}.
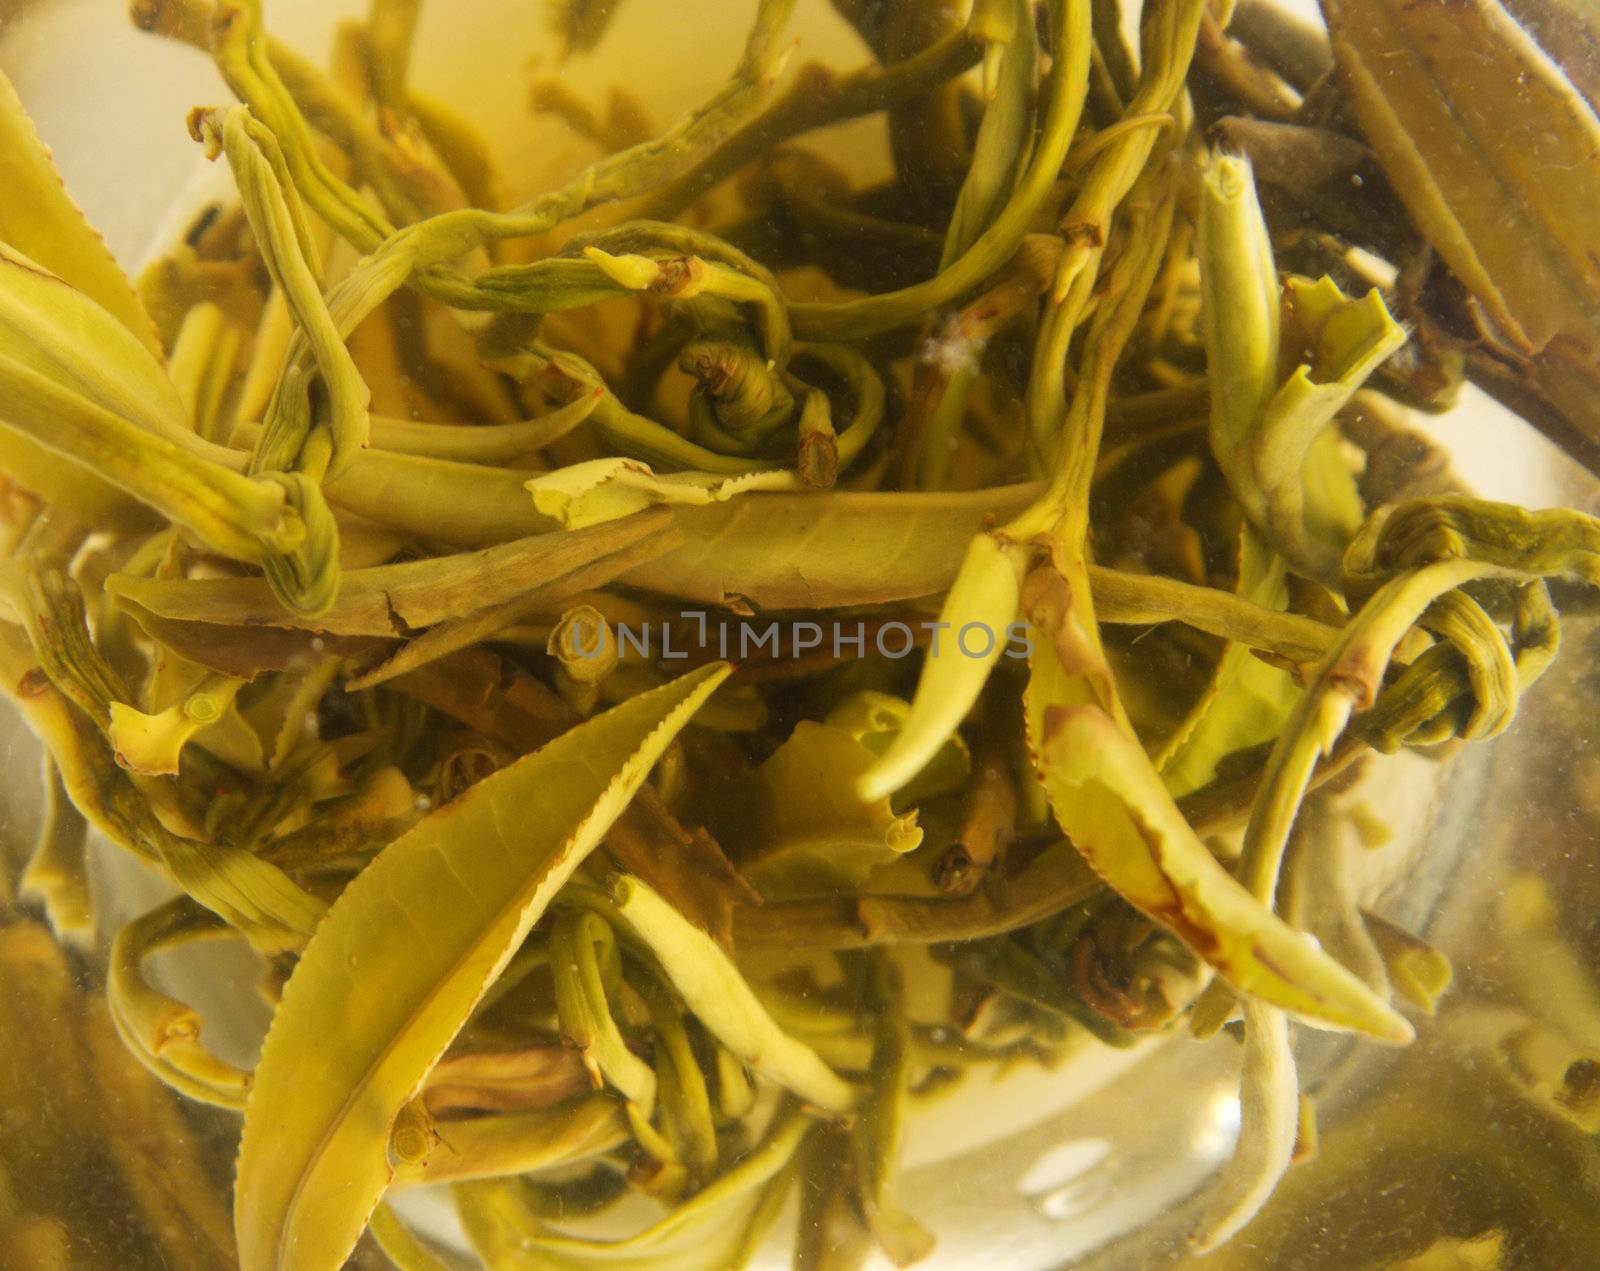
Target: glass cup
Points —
{"points": [[1102, 1161]]}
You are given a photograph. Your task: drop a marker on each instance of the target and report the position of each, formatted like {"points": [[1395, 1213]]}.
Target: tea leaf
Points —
{"points": [[1419, 972], [880, 1125], [56, 875], [717, 994], [1347, 679], [584, 1009], [1063, 105], [273, 521], [353, 666], [281, 235], [1460, 101], [1119, 815], [1269, 438], [983, 597], [1269, 1117], [1246, 702], [312, 1164], [606, 489], [717, 1227], [399, 599], [875, 719], [486, 444], [507, 1144], [161, 1033], [152, 744], [781, 551], [402, 1246], [60, 332], [1055, 881], [1003, 137], [251, 894], [40, 221], [815, 834]]}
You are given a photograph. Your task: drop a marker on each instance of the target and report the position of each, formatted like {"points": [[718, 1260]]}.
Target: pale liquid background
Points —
{"points": [[1028, 1172]]}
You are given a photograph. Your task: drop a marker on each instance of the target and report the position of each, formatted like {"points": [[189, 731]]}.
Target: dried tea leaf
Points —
{"points": [[337, 1065], [1473, 122]]}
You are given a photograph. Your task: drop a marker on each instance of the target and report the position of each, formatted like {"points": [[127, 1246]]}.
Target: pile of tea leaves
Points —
{"points": [[676, 675]]}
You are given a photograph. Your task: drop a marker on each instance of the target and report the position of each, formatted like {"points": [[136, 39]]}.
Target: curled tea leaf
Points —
{"points": [[164, 1034], [606, 489], [1270, 436], [269, 197], [719, 1226], [816, 834], [717, 994]]}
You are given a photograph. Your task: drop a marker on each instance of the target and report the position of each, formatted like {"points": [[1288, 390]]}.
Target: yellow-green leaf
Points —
{"points": [[1269, 1097], [397, 966], [59, 332], [1270, 439], [798, 551], [875, 720], [984, 597], [39, 219], [606, 489], [1114, 807], [812, 833], [406, 596], [713, 989], [716, 1228], [160, 1032], [1247, 701], [153, 743]]}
